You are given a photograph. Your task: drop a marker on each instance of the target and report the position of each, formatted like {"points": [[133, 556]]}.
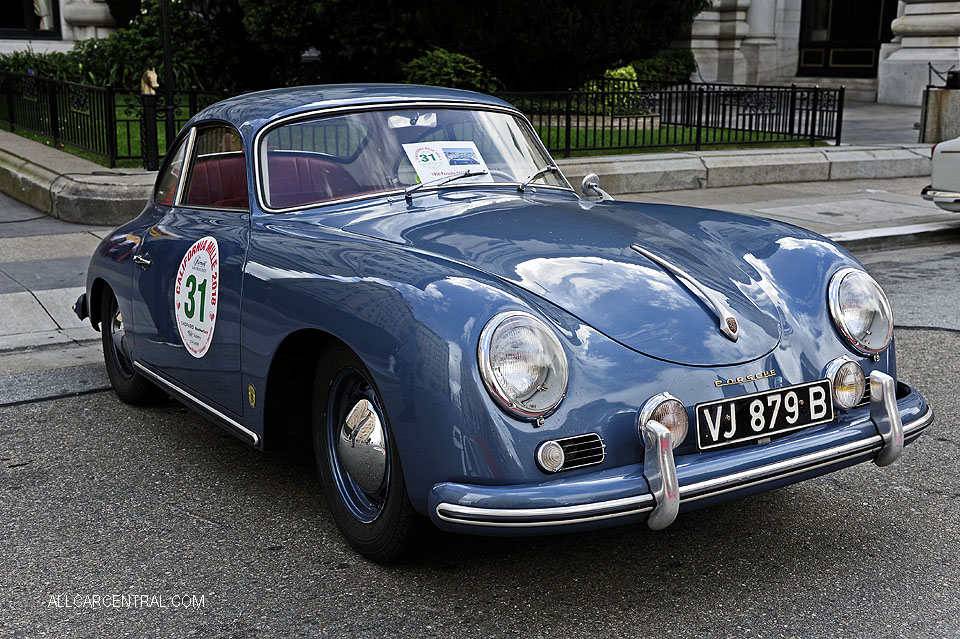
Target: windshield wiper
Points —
{"points": [[408, 193], [550, 168]]}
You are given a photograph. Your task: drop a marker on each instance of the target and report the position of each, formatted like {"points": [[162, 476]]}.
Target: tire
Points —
{"points": [[370, 506], [129, 385]]}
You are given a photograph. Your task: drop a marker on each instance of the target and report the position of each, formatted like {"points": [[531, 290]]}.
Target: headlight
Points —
{"points": [[522, 364], [861, 311]]}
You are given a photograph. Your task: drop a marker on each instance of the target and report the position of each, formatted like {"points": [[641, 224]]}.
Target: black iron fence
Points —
{"points": [[623, 114], [111, 124], [121, 125]]}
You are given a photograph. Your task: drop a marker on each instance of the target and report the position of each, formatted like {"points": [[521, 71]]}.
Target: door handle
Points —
{"points": [[142, 261]]}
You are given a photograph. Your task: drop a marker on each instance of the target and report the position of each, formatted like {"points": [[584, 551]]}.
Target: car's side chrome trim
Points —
{"points": [[728, 323], [582, 513], [935, 195], [238, 429]]}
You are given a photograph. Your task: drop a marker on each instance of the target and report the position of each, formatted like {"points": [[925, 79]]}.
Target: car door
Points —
{"points": [[189, 269]]}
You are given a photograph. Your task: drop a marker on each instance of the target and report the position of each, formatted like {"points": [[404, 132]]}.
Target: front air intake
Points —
{"points": [[582, 450]]}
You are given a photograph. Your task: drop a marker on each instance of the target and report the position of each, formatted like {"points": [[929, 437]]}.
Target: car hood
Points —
{"points": [[578, 256]]}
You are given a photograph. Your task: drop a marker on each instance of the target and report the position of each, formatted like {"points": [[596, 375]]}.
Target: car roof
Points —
{"points": [[255, 109]]}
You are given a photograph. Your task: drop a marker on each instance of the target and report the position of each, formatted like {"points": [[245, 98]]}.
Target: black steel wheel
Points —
{"points": [[130, 386], [357, 459]]}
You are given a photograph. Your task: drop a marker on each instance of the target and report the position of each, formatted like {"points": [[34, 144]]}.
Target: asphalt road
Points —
{"points": [[101, 499]]}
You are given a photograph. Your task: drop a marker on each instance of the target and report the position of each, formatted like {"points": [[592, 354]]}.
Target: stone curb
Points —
{"points": [[898, 236], [711, 169], [93, 195]]}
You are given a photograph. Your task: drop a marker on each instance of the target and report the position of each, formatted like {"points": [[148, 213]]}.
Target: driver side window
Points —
{"points": [[218, 173]]}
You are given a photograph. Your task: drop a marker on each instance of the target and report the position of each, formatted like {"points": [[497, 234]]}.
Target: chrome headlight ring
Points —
{"points": [[522, 364], [868, 331]]}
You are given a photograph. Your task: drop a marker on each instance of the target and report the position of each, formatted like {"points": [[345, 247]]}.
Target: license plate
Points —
{"points": [[759, 415]]}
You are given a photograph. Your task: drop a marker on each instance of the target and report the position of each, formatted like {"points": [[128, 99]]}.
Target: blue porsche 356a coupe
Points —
{"points": [[404, 272]]}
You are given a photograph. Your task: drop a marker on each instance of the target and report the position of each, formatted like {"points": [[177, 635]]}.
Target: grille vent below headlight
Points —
{"points": [[582, 450], [866, 394]]}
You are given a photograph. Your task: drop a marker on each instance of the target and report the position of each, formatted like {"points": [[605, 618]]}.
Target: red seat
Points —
{"points": [[304, 179], [219, 181]]}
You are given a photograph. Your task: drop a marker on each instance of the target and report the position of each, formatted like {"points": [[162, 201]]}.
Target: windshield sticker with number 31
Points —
{"points": [[196, 295], [433, 160]]}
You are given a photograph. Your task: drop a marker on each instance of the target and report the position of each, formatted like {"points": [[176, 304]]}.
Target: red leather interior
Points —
{"points": [[298, 179], [219, 181]]}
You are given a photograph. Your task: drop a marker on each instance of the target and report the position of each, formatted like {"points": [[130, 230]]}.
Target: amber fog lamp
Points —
{"points": [[849, 382], [860, 311], [668, 411]]}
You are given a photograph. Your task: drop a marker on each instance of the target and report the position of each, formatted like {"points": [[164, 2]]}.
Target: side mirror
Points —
{"points": [[590, 186]]}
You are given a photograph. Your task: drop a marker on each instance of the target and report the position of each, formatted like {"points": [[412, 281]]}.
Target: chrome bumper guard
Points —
{"points": [[666, 495], [935, 195]]}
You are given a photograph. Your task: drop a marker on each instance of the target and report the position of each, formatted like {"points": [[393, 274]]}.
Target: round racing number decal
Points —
{"points": [[196, 295]]}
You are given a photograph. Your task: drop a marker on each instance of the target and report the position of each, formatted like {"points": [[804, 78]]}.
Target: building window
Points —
{"points": [[30, 19]]}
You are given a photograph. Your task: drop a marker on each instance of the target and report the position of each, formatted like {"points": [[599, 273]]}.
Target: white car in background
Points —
{"points": [[944, 188]]}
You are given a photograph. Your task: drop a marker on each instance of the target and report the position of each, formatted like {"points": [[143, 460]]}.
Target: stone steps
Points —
{"points": [[857, 89]]}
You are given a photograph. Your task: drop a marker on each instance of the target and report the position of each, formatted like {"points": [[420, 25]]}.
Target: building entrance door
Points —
{"points": [[842, 38]]}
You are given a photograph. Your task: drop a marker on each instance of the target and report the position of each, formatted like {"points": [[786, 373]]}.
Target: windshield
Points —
{"points": [[342, 156]]}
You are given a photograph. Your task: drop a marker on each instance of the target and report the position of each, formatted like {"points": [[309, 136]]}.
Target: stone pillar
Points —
{"points": [[716, 37], [926, 31], [83, 19], [760, 46]]}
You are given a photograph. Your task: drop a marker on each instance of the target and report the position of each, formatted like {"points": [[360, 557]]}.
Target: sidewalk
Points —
{"points": [[43, 266]]}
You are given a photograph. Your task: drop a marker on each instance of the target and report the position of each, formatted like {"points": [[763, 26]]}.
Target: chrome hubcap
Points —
{"points": [[361, 446], [358, 445]]}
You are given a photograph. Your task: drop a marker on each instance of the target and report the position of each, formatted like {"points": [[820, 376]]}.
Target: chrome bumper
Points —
{"points": [[667, 495], [940, 197]]}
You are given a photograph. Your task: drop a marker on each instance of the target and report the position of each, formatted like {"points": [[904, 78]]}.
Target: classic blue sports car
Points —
{"points": [[405, 273]]}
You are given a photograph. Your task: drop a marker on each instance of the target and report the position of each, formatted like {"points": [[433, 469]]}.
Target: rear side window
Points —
{"points": [[167, 184], [218, 174]]}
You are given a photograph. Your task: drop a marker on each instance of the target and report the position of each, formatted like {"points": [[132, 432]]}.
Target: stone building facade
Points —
{"points": [[51, 25], [878, 49]]}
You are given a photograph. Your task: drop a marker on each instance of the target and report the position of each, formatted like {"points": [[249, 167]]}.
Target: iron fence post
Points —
{"points": [[8, 89], [54, 111], [566, 147], [840, 114], [814, 115], [192, 102], [148, 132], [111, 115], [792, 111], [699, 116]]}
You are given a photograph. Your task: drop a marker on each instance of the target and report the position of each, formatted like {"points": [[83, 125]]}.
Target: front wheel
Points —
{"points": [[357, 459], [130, 386]]}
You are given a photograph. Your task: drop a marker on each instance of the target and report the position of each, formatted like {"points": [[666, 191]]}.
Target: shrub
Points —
{"points": [[446, 69], [62, 66], [672, 66]]}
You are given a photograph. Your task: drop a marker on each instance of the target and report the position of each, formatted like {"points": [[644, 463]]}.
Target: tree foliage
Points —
{"points": [[541, 45], [249, 44], [455, 70]]}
